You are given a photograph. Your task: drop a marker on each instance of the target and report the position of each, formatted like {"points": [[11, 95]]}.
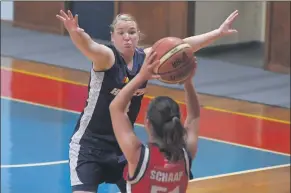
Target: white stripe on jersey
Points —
{"points": [[95, 87]]}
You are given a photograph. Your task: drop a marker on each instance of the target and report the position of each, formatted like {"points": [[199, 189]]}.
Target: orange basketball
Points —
{"points": [[176, 60]]}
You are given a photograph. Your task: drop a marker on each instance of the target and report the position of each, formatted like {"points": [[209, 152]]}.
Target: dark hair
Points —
{"points": [[164, 117]]}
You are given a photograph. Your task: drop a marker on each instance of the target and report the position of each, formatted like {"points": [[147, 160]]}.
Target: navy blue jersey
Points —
{"points": [[94, 127]]}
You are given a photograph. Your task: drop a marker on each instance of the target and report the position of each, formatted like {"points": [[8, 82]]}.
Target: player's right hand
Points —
{"points": [[192, 74], [70, 22]]}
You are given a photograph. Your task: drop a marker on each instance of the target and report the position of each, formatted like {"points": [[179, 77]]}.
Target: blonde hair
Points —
{"points": [[125, 17]]}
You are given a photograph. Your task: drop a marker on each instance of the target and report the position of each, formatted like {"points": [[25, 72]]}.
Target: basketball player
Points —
{"points": [[95, 156], [162, 165]]}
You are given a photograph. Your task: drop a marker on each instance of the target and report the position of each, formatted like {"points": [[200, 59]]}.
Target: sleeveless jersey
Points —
{"points": [[94, 127], [155, 174]]}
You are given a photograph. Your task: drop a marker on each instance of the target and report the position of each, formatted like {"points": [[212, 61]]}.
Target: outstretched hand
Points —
{"points": [[225, 28], [70, 22]]}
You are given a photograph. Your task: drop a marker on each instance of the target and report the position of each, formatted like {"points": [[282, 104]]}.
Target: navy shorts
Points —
{"points": [[191, 175], [90, 167]]}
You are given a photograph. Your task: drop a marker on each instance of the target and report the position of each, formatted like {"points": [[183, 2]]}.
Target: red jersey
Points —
{"points": [[155, 174]]}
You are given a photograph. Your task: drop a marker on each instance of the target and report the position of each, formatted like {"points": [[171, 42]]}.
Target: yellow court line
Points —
{"points": [[43, 76], [246, 115], [147, 96]]}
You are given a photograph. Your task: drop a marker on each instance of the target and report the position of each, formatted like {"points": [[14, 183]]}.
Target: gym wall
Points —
{"points": [[267, 23]]}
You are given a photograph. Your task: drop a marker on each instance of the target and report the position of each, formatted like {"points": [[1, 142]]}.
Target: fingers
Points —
{"points": [[232, 16], [64, 15], [152, 61], [148, 54], [149, 65], [152, 65], [156, 76], [77, 20], [60, 18], [70, 14], [232, 31], [228, 22], [195, 59], [151, 57]]}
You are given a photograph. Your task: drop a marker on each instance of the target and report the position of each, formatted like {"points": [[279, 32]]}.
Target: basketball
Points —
{"points": [[176, 60]]}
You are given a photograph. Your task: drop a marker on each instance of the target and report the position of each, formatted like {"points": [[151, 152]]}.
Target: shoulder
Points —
{"points": [[140, 50], [112, 47], [115, 57], [104, 58], [139, 56]]}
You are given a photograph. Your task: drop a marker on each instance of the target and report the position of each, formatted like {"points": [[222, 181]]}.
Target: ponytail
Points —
{"points": [[169, 133], [172, 139]]}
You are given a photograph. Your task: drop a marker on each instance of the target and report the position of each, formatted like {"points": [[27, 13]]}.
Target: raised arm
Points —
{"points": [[101, 56], [127, 140], [200, 41], [193, 115]]}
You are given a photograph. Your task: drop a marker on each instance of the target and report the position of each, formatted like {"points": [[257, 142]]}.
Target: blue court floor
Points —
{"points": [[34, 151]]}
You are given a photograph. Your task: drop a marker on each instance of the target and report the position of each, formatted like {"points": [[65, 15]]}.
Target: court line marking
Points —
{"points": [[43, 76], [141, 125], [147, 96], [245, 146], [35, 164], [193, 180], [240, 172], [246, 115]]}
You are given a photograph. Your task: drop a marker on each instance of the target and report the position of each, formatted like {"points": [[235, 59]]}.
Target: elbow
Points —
{"points": [[115, 107], [197, 111], [112, 107], [190, 120], [195, 115]]}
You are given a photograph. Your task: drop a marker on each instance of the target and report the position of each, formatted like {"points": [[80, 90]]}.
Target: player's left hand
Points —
{"points": [[225, 27], [150, 63]]}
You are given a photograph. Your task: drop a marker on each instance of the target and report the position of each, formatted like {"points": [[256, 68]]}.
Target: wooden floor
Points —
{"points": [[208, 101], [274, 180], [266, 181]]}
